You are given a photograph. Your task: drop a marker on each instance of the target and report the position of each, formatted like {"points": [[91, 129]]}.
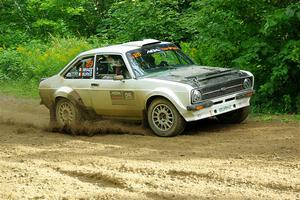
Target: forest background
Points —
{"points": [[39, 37]]}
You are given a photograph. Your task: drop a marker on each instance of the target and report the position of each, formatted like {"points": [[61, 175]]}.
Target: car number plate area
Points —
{"points": [[225, 108]]}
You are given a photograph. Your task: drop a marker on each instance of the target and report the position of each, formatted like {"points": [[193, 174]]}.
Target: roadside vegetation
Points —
{"points": [[38, 38], [285, 118]]}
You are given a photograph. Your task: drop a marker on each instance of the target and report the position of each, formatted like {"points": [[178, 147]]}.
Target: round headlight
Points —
{"points": [[196, 96], [247, 83]]}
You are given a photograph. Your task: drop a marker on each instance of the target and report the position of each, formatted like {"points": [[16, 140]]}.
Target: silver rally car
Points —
{"points": [[147, 80]]}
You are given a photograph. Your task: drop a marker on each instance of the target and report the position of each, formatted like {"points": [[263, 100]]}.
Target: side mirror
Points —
{"points": [[118, 77]]}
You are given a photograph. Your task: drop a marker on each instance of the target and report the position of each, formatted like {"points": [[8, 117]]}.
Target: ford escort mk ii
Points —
{"points": [[147, 80]]}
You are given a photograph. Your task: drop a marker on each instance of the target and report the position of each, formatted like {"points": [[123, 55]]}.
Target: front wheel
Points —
{"points": [[234, 117], [164, 119]]}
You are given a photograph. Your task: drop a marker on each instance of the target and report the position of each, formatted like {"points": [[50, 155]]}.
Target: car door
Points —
{"points": [[115, 98], [79, 77]]}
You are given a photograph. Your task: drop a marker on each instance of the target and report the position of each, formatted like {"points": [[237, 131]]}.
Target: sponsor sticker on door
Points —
{"points": [[121, 95]]}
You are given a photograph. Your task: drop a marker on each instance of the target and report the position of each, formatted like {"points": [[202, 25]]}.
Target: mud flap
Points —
{"points": [[145, 120], [52, 122]]}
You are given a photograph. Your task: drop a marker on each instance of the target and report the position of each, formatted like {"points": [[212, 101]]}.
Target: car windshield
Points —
{"points": [[157, 58]]}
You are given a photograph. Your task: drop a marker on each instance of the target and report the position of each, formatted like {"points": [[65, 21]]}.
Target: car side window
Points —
{"points": [[108, 66], [82, 69]]}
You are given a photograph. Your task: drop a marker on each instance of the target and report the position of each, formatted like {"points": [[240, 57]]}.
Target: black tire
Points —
{"points": [[67, 115], [164, 119], [234, 117]]}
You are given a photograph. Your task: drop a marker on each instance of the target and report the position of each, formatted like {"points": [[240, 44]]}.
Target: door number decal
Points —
{"points": [[121, 95]]}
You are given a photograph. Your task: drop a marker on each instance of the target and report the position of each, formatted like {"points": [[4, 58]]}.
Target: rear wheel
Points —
{"points": [[234, 117], [67, 115], [164, 119]]}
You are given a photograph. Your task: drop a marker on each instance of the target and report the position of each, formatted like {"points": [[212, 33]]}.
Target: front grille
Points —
{"points": [[222, 89]]}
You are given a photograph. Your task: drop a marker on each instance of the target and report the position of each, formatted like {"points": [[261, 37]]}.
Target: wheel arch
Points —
{"points": [[152, 98], [168, 95], [68, 93]]}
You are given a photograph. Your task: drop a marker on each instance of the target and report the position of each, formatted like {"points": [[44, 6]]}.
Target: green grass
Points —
{"points": [[275, 117], [20, 88]]}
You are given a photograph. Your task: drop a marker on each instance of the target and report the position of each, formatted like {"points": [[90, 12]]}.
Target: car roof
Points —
{"points": [[123, 48]]}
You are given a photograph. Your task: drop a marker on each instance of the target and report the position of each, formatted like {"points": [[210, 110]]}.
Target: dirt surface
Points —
{"points": [[252, 160]]}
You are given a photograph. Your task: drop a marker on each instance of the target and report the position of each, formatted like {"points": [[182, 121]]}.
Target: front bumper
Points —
{"points": [[217, 106]]}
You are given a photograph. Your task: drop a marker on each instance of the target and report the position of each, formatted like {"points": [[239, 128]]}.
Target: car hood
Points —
{"points": [[198, 76]]}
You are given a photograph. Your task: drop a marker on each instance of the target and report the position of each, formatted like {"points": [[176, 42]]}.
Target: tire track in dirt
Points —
{"points": [[99, 179], [211, 176], [164, 176], [253, 160]]}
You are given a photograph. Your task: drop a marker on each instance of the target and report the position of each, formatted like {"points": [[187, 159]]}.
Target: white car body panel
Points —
{"points": [[138, 91]]}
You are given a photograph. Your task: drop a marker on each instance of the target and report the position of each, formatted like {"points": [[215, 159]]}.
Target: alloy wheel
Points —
{"points": [[163, 117]]}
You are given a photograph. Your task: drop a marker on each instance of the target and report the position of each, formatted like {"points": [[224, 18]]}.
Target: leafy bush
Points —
{"points": [[11, 67], [261, 36], [135, 20], [35, 60]]}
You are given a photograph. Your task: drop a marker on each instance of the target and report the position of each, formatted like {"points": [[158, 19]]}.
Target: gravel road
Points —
{"points": [[252, 160]]}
